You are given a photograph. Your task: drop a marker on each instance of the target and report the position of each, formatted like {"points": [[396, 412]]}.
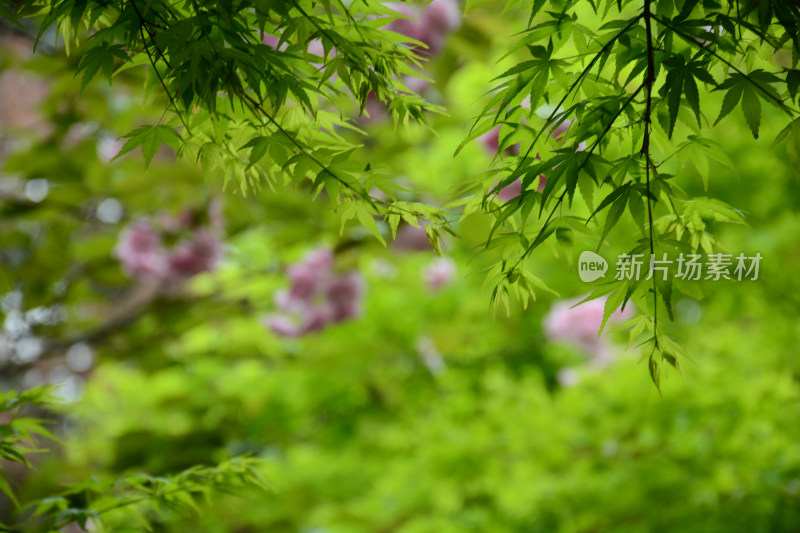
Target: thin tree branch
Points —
{"points": [[573, 87], [582, 165], [693, 41], [142, 25], [649, 79]]}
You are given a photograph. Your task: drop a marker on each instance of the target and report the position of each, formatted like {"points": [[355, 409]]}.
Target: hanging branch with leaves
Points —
{"points": [[264, 91], [259, 92], [584, 81]]}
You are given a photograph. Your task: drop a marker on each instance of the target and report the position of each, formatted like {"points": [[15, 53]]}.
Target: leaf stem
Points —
{"points": [[572, 87], [691, 40], [142, 25], [580, 167], [649, 79]]}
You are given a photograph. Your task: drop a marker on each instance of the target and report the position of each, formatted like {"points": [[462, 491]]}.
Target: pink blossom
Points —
{"points": [[344, 295], [559, 131], [78, 132], [411, 26], [412, 238], [316, 48], [510, 191], [316, 318], [439, 273], [141, 251], [285, 302], [177, 223], [430, 25], [108, 147], [310, 276], [375, 109], [143, 254], [199, 254], [272, 41], [282, 325], [440, 18], [490, 141], [305, 284], [443, 15], [216, 217], [415, 84], [580, 324], [320, 260], [566, 320], [316, 296], [514, 189]]}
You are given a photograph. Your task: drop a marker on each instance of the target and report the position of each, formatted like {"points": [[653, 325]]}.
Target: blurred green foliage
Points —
{"points": [[425, 414]]}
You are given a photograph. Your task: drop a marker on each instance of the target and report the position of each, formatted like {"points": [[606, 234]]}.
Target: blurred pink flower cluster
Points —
{"points": [[271, 41], [196, 247], [315, 46], [491, 142], [579, 325], [439, 273], [317, 297], [430, 25], [412, 239]]}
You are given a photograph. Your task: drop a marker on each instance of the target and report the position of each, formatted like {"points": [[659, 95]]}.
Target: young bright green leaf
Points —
{"points": [[614, 214], [150, 139], [729, 102], [751, 107]]}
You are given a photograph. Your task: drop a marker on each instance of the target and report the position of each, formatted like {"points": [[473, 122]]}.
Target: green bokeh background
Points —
{"points": [[356, 432]]}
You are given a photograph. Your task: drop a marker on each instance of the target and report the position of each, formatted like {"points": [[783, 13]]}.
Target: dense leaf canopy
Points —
{"points": [[204, 189]]}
